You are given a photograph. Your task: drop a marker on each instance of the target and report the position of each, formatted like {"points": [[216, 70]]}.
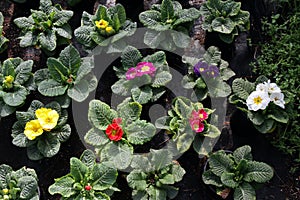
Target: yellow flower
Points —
{"points": [[109, 29], [33, 129], [9, 79], [101, 24], [5, 191], [47, 118]]}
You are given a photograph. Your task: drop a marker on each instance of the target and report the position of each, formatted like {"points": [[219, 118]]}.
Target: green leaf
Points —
{"points": [[80, 91], [83, 35], [151, 19], [58, 71], [28, 185], [51, 88], [101, 13], [153, 38], [256, 118], [96, 138], [84, 69], [130, 57], [137, 180], [228, 179], [4, 170], [121, 87], [70, 58], [219, 163], [17, 97], [103, 177], [88, 158], [266, 126], [140, 132], [183, 108], [29, 39], [129, 111], [210, 178], [33, 153], [187, 15], [167, 179], [8, 68], [24, 22], [100, 115], [244, 192], [213, 132], [142, 95], [279, 115], [65, 31], [23, 72], [178, 172], [167, 10], [48, 40], [156, 193], [6, 110], [242, 88], [162, 78], [20, 140], [24, 116], [243, 152], [62, 17], [258, 172], [160, 158], [223, 25], [63, 133], [63, 186], [78, 170], [181, 40], [48, 145]]}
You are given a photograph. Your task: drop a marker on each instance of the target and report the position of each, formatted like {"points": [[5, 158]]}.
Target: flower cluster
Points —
{"points": [[114, 131], [8, 81], [264, 94], [210, 71], [104, 25], [46, 121], [141, 69], [197, 120]]}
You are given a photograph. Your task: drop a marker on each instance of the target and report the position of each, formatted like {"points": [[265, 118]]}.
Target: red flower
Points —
{"points": [[114, 131], [88, 187], [197, 126], [199, 115]]}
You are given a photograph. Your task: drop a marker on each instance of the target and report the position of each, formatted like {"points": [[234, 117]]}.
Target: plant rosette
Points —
{"points": [[263, 102], [168, 15], [224, 17], [236, 171], [68, 75], [107, 26], [187, 122], [16, 82], [154, 175], [3, 40], [20, 184], [207, 75], [45, 26], [114, 132], [41, 129], [86, 180], [142, 78]]}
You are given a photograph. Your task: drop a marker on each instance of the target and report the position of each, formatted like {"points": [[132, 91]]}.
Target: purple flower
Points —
{"points": [[131, 73], [213, 71], [200, 67], [145, 68]]}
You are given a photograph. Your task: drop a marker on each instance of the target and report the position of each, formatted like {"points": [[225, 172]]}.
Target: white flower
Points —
{"points": [[278, 99], [258, 100], [272, 87], [262, 87]]}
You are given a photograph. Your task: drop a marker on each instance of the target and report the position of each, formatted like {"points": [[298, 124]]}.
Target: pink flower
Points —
{"points": [[200, 115], [145, 68], [197, 126], [131, 73], [114, 132]]}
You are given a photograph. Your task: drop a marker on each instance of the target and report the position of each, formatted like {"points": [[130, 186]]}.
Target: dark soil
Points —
{"points": [[237, 130]]}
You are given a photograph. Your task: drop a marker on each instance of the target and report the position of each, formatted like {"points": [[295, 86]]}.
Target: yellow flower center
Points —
{"points": [[101, 24], [113, 132], [201, 115], [213, 73], [257, 100], [47, 118], [109, 29], [9, 79], [201, 69], [5, 191], [33, 129], [145, 68]]}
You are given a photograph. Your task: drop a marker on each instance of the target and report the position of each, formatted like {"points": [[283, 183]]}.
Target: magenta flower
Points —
{"points": [[143, 68], [197, 126], [131, 73]]}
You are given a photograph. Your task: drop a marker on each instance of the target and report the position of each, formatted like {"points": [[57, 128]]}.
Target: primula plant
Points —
{"points": [[69, 74], [142, 78], [187, 122], [20, 184], [106, 26], [114, 132], [16, 82], [3, 40], [168, 15], [263, 102], [207, 75], [41, 129], [86, 180], [224, 17], [236, 171], [152, 176], [44, 27]]}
